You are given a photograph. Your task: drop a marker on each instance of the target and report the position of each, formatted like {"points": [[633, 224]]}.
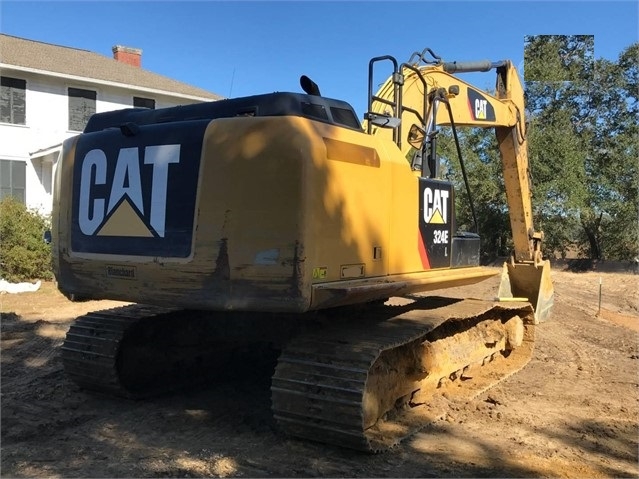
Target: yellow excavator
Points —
{"points": [[281, 219]]}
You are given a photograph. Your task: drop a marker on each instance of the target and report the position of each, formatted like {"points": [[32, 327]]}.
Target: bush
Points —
{"points": [[24, 256]]}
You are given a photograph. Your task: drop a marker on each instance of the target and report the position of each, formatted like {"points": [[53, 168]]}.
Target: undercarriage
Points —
{"points": [[362, 377]]}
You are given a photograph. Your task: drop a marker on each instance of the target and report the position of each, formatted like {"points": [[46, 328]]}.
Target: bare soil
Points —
{"points": [[573, 411]]}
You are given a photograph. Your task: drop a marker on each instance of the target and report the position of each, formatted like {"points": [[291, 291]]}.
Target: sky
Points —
{"points": [[240, 48]]}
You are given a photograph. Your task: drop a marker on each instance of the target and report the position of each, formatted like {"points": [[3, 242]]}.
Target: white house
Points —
{"points": [[47, 94]]}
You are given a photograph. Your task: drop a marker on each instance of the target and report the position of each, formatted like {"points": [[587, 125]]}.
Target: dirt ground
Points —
{"points": [[573, 411]]}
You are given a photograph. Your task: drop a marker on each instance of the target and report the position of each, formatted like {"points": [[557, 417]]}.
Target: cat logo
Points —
{"points": [[435, 206], [480, 109], [123, 211]]}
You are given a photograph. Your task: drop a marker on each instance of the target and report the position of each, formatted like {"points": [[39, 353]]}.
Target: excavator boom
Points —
{"points": [[428, 94]]}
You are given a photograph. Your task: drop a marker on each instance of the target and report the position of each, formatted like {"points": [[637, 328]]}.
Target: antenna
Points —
{"points": [[232, 78]]}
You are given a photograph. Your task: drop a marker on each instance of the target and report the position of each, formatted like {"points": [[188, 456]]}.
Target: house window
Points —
{"points": [[13, 178], [13, 100], [81, 107], [139, 102]]}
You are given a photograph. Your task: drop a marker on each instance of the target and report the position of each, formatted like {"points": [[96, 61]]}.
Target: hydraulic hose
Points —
{"points": [[461, 162]]}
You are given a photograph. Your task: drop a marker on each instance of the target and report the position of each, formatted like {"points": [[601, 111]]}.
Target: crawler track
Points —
{"points": [[360, 386], [141, 351], [91, 351], [361, 380]]}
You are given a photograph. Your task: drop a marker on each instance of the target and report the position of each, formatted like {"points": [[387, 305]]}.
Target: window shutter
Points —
{"points": [[13, 100], [81, 107], [18, 180], [13, 179], [139, 102]]}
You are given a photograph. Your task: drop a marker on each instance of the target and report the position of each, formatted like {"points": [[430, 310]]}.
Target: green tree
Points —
{"points": [[582, 140], [24, 255], [554, 65], [610, 216], [558, 58], [583, 143], [480, 154]]}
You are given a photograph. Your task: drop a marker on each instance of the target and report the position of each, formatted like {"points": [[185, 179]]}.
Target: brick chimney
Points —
{"points": [[130, 56]]}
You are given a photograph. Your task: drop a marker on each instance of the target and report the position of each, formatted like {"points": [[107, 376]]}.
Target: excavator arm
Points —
{"points": [[426, 93]]}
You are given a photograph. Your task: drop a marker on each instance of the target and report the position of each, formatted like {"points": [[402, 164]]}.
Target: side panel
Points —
{"points": [[422, 223], [135, 195], [251, 225], [435, 223], [232, 232], [348, 206], [418, 249]]}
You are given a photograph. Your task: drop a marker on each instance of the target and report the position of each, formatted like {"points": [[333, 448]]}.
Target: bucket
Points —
{"points": [[528, 282]]}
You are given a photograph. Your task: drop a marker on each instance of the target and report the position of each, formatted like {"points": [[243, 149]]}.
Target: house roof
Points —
{"points": [[80, 64]]}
